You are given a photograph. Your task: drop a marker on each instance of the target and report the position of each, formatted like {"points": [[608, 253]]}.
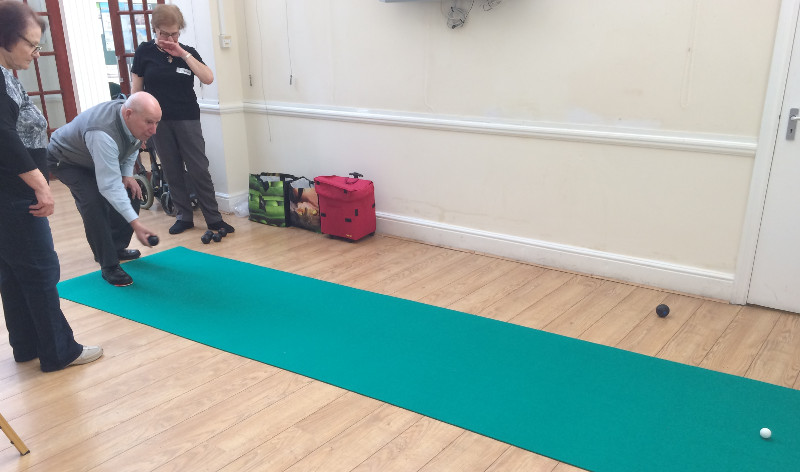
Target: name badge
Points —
{"points": [[181, 70]]}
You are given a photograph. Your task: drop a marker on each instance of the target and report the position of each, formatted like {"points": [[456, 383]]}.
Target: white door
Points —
{"points": [[775, 280]]}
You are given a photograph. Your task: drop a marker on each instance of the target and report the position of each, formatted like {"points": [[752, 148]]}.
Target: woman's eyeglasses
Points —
{"points": [[164, 35], [36, 47]]}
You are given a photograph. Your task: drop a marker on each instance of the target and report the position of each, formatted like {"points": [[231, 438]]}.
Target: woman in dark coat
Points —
{"points": [[29, 267]]}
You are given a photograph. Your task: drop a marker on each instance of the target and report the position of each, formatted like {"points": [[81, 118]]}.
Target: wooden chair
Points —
{"points": [[12, 436]]}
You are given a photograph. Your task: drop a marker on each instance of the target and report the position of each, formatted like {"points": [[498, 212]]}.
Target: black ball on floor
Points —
{"points": [[217, 237], [662, 310], [223, 232], [206, 238], [152, 240]]}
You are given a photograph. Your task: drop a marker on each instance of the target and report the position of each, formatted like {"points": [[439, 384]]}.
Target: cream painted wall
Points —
{"points": [[627, 129], [674, 65], [618, 199]]}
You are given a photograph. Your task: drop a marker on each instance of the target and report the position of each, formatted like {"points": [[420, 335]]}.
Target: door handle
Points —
{"points": [[794, 116]]}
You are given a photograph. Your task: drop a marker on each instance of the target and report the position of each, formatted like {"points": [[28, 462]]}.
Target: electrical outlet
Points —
{"points": [[225, 40]]}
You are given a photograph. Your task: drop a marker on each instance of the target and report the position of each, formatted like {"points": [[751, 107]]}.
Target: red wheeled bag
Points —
{"points": [[346, 205]]}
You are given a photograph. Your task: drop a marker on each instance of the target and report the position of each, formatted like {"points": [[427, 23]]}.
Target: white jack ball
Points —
{"points": [[766, 433]]}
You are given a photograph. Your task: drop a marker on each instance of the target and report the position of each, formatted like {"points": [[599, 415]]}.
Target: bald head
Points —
{"points": [[143, 102], [141, 113]]}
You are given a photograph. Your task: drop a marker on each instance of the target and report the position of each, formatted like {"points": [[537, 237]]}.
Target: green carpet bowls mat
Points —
{"points": [[588, 405]]}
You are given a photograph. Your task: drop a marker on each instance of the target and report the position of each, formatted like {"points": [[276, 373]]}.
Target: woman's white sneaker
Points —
{"points": [[89, 354]]}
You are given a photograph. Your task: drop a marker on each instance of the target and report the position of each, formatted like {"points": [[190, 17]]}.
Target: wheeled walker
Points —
{"points": [[154, 183]]}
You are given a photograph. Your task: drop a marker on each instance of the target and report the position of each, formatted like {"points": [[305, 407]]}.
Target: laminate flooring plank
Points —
{"points": [[190, 428], [381, 264], [526, 296], [562, 467], [582, 315], [246, 444], [307, 249], [778, 362], [697, 336], [470, 452], [741, 341], [425, 268], [121, 354], [439, 280], [615, 325], [653, 332], [354, 255], [497, 289], [449, 294], [195, 417], [357, 443], [555, 303], [115, 427], [413, 448], [405, 259], [293, 444], [520, 460], [55, 406]]}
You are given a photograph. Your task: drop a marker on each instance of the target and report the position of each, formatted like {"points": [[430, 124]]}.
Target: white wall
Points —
{"points": [[613, 137], [669, 65]]}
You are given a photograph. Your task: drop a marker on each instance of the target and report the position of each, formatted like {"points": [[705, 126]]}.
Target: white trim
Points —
{"points": [[773, 103], [681, 141], [212, 107], [559, 256]]}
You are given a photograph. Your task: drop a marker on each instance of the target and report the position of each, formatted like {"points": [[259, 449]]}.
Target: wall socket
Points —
{"points": [[225, 40]]}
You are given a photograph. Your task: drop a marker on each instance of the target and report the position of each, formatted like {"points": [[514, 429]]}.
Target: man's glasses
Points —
{"points": [[164, 35], [36, 47]]}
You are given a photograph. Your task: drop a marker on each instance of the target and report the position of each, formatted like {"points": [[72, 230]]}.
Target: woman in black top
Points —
{"points": [[166, 69], [29, 268]]}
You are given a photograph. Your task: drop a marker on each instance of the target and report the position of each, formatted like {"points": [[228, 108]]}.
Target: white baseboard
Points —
{"points": [[651, 273]]}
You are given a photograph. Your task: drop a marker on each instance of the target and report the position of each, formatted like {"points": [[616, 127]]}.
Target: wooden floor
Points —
{"points": [[159, 402]]}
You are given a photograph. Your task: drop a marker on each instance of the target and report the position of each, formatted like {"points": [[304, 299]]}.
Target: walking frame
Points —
{"points": [[12, 436]]}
